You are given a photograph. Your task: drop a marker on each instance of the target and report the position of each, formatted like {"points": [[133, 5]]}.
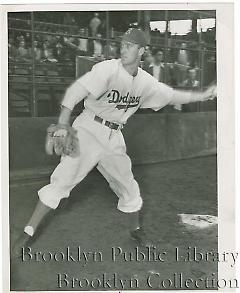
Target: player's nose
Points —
{"points": [[123, 49]]}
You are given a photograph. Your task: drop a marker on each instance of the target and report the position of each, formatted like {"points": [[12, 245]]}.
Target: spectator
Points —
{"points": [[148, 59], [191, 81], [22, 52], [183, 55], [45, 49], [37, 51], [158, 69], [28, 39], [48, 53], [182, 64], [95, 22], [148, 50], [50, 39], [12, 50], [50, 57], [98, 49], [20, 38], [82, 43], [59, 51], [112, 50], [72, 49]]}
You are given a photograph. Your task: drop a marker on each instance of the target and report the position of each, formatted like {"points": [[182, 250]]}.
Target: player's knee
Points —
{"points": [[51, 196]]}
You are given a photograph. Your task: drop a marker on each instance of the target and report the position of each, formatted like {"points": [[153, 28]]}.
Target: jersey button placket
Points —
{"points": [[130, 94]]}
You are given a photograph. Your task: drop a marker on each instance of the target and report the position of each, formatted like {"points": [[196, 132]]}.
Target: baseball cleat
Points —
{"points": [[22, 241], [140, 237]]}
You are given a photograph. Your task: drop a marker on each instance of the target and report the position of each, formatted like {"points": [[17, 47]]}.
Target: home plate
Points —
{"points": [[199, 221]]}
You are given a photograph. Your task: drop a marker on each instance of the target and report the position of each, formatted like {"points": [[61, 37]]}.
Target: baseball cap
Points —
{"points": [[135, 36]]}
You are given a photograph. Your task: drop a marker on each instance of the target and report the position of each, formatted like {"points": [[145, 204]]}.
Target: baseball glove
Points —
{"points": [[62, 140]]}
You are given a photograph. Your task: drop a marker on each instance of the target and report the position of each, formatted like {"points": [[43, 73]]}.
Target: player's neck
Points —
{"points": [[132, 69]]}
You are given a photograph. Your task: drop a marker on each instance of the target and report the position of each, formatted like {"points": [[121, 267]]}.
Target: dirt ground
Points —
{"points": [[90, 220]]}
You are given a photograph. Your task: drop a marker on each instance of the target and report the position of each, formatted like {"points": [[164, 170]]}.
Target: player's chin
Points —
{"points": [[125, 60]]}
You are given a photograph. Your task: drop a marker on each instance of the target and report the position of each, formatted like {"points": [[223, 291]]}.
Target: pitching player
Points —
{"points": [[112, 91]]}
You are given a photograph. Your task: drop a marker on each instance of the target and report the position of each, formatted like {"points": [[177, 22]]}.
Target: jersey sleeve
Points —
{"points": [[96, 81], [157, 95]]}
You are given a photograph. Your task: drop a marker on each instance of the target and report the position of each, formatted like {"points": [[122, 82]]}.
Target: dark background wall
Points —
{"points": [[150, 138]]}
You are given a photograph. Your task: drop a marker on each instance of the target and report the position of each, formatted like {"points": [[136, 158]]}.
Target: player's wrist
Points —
{"points": [[198, 96], [63, 125], [64, 117]]}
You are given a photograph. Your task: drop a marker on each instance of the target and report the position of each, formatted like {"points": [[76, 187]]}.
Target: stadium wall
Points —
{"points": [[150, 138]]}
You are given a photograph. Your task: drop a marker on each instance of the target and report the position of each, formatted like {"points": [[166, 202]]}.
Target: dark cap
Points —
{"points": [[135, 36]]}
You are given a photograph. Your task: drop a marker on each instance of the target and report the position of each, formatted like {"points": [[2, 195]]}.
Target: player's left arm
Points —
{"points": [[185, 97]]}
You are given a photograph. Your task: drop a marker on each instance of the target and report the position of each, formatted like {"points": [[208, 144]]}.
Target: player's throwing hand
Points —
{"points": [[210, 93]]}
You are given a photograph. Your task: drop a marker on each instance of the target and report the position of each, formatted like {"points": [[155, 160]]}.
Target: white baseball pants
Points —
{"points": [[102, 147]]}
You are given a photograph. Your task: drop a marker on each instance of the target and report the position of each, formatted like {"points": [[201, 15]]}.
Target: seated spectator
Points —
{"points": [[158, 69], [147, 59], [22, 53], [37, 51], [147, 50], [20, 38], [48, 53], [51, 57], [59, 51], [191, 81], [72, 49], [112, 50], [28, 39], [49, 38], [12, 50]]}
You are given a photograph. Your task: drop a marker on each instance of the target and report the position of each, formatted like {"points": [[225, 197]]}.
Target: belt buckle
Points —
{"points": [[111, 125]]}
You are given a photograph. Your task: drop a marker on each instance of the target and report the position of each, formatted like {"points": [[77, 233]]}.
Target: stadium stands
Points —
{"points": [[42, 59]]}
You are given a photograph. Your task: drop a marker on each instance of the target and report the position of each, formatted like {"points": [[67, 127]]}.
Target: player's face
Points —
{"points": [[130, 53]]}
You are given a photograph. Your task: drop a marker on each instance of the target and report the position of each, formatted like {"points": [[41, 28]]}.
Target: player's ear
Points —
{"points": [[141, 51]]}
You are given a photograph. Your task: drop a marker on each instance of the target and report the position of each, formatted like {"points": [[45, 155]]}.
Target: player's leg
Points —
{"points": [[41, 210], [69, 172], [116, 168], [107, 168]]}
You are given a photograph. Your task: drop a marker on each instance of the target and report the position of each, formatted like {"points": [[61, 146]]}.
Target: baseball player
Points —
{"points": [[112, 91]]}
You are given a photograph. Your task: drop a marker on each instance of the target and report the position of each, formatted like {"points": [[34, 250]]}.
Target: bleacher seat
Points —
{"points": [[19, 102], [22, 70], [19, 79], [52, 72]]}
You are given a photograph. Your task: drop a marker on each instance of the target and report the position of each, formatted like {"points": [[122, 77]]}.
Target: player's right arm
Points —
{"points": [[94, 82], [159, 95], [73, 95]]}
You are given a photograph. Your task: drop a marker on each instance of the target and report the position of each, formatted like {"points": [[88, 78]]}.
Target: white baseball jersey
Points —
{"points": [[115, 95]]}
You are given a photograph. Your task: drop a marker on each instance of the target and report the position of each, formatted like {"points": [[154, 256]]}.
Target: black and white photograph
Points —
{"points": [[113, 139]]}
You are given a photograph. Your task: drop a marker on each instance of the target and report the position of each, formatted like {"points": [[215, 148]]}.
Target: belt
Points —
{"points": [[109, 124]]}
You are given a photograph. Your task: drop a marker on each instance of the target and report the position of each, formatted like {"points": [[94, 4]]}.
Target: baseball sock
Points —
{"points": [[39, 213]]}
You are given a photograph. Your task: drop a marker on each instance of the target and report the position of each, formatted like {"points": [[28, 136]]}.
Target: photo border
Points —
{"points": [[225, 113]]}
